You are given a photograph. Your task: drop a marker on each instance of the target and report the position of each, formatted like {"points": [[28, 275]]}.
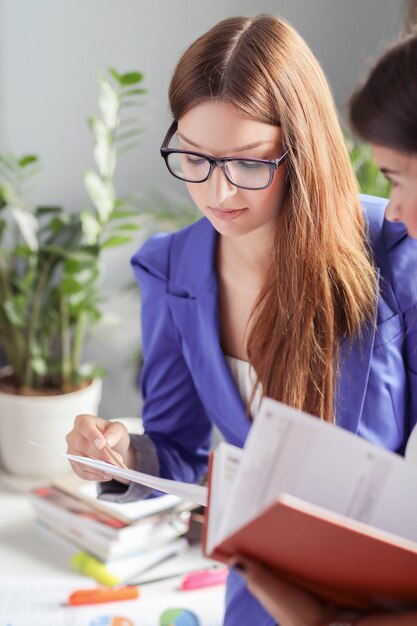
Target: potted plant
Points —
{"points": [[50, 263]]}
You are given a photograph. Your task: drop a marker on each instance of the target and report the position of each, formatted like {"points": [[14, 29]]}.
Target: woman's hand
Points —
{"points": [[89, 437], [288, 604], [292, 606]]}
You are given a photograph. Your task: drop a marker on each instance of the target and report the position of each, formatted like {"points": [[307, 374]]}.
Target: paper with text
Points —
{"points": [[290, 452], [225, 468]]}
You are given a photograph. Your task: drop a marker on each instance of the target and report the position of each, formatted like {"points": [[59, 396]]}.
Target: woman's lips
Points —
{"points": [[227, 214]]}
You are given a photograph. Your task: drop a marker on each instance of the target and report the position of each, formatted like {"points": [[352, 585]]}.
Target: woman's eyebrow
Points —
{"points": [[388, 170], [249, 146]]}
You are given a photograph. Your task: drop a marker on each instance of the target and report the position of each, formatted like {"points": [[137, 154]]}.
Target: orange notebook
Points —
{"points": [[339, 559], [324, 508]]}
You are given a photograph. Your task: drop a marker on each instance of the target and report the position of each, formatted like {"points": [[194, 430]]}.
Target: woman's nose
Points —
{"points": [[393, 212], [220, 188]]}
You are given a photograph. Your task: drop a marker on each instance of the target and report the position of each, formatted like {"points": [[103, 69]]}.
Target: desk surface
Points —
{"points": [[26, 555]]}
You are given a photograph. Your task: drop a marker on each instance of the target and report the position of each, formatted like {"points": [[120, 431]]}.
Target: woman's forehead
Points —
{"points": [[390, 159], [216, 125]]}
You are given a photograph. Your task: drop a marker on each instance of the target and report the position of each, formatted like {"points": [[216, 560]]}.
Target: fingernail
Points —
{"points": [[106, 477], [111, 440], [99, 443]]}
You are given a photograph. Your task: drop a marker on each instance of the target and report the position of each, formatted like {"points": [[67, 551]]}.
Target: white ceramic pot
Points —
{"points": [[45, 420]]}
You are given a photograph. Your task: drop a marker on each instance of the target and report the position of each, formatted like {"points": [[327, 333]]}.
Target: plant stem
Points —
{"points": [[33, 322], [65, 344], [78, 342], [13, 341]]}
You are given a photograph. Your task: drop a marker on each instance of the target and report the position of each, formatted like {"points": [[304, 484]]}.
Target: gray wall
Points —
{"points": [[51, 52]]}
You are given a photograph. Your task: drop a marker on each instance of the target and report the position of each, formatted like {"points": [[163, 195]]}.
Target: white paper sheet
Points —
{"points": [[290, 452], [186, 491], [41, 602]]}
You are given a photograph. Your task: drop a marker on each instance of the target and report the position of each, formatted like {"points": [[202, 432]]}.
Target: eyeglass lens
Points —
{"points": [[195, 168]]}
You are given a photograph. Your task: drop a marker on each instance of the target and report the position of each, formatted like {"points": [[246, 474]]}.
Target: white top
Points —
{"points": [[245, 379]]}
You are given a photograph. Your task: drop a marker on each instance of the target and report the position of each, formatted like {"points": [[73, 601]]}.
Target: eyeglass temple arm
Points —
{"points": [[171, 130], [281, 158]]}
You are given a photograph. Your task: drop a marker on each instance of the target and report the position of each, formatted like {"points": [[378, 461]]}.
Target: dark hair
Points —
{"points": [[384, 110]]}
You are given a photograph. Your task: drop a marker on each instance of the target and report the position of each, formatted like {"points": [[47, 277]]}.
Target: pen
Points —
{"points": [[102, 594], [192, 579], [115, 458]]}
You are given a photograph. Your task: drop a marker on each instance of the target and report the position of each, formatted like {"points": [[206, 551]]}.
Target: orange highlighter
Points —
{"points": [[103, 594]]}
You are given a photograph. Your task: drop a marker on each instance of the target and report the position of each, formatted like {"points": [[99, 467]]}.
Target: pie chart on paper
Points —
{"points": [[179, 617]]}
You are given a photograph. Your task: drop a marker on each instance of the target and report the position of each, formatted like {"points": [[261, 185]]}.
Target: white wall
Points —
{"points": [[51, 52]]}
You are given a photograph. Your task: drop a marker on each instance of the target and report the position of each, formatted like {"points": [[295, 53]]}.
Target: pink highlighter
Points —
{"points": [[204, 578]]}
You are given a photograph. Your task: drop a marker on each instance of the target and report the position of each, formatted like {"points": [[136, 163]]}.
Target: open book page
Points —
{"points": [[394, 508], [225, 464], [186, 491], [290, 452]]}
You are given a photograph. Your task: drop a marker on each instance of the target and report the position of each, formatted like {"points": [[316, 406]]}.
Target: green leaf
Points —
{"points": [[14, 313], [58, 223], [116, 240], [130, 78], [76, 255], [45, 210], [24, 251], [128, 227], [69, 286], [109, 104], [101, 194], [28, 226], [27, 280], [127, 147], [135, 92], [105, 156], [92, 370], [91, 227], [137, 132], [28, 159], [72, 266], [118, 215], [39, 365], [81, 281]]}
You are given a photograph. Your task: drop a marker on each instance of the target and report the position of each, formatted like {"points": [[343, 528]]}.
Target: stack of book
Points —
{"points": [[111, 541]]}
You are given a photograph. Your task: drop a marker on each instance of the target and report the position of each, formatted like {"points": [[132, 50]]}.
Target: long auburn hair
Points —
{"points": [[321, 286], [384, 109]]}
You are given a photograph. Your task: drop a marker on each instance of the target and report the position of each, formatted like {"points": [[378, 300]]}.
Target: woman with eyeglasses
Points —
{"points": [[285, 288], [384, 113]]}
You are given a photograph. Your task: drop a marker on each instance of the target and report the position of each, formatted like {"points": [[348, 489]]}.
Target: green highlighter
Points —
{"points": [[90, 566]]}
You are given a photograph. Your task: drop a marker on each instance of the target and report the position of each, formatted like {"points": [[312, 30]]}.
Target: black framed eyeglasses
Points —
{"points": [[195, 167]]}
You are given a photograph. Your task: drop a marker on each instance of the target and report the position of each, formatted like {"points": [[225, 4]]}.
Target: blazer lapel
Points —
{"points": [[193, 301]]}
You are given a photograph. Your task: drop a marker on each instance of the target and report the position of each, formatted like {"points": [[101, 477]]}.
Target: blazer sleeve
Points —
{"points": [[173, 416], [402, 259]]}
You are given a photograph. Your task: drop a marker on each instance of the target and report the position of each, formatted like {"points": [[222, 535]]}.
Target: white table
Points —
{"points": [[29, 558]]}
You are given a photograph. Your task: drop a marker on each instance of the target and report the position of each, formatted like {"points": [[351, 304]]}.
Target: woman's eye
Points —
{"points": [[194, 160], [250, 165]]}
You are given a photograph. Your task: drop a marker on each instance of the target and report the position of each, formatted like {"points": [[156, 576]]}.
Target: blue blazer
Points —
{"points": [[188, 388]]}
